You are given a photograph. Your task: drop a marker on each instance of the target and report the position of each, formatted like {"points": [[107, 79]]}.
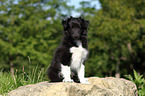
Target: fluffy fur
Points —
{"points": [[68, 61]]}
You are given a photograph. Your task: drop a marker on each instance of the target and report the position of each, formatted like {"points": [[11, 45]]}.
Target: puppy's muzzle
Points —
{"points": [[76, 37]]}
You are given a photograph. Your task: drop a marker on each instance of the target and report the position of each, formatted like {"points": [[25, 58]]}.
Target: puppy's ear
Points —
{"points": [[64, 23], [85, 24], [71, 17]]}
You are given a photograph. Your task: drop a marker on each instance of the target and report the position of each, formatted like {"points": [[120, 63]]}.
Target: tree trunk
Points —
{"points": [[117, 74], [11, 68]]}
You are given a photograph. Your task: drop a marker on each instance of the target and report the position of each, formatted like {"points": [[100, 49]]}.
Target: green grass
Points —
{"points": [[139, 81], [9, 82]]}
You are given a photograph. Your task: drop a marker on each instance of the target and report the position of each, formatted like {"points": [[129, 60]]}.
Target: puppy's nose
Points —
{"points": [[76, 37]]}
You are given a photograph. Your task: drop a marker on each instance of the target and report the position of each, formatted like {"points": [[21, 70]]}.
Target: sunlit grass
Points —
{"points": [[10, 82]]}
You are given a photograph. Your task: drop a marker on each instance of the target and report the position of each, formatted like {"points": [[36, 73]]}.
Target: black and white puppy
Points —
{"points": [[68, 61]]}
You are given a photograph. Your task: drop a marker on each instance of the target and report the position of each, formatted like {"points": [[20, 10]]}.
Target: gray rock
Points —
{"points": [[98, 87]]}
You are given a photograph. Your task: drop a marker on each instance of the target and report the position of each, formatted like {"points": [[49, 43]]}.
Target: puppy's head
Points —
{"points": [[75, 27]]}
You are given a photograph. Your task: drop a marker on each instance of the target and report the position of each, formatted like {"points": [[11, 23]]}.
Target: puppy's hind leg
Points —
{"points": [[54, 75]]}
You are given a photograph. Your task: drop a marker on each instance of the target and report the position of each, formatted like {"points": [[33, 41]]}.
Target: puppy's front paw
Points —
{"points": [[68, 80], [85, 81]]}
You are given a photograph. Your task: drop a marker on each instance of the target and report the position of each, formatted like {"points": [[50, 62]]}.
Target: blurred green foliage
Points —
{"points": [[117, 38], [31, 30]]}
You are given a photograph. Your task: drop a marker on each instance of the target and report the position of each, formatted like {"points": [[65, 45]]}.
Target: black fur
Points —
{"points": [[74, 29]]}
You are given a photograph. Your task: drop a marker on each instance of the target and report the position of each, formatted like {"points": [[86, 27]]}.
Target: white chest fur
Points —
{"points": [[79, 54]]}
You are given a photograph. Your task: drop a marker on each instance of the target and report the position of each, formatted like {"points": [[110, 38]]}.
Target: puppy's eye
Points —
{"points": [[77, 26]]}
